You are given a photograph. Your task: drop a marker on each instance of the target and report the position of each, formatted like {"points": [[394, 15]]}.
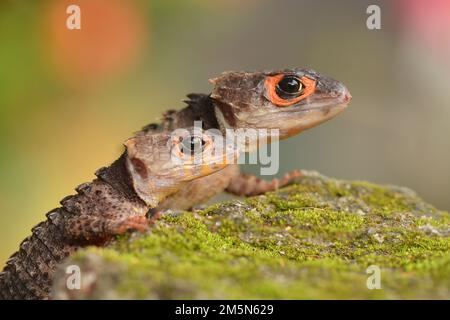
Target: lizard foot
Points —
{"points": [[138, 223], [250, 185], [288, 178], [155, 216]]}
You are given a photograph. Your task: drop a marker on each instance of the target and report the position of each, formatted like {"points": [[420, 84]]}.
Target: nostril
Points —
{"points": [[347, 96]]}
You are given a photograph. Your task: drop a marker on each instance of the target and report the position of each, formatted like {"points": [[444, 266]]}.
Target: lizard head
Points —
{"points": [[290, 100], [161, 163]]}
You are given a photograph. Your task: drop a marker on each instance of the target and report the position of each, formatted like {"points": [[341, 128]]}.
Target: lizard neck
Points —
{"points": [[221, 120], [154, 190], [162, 189], [200, 108], [224, 116], [118, 177]]}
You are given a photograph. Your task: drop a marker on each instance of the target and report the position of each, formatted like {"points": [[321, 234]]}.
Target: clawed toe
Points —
{"points": [[138, 223]]}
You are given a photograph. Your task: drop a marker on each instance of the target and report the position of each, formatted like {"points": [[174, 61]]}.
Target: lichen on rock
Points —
{"points": [[314, 239]]}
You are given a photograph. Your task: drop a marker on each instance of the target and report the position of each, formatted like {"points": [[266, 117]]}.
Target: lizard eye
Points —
{"points": [[288, 87], [286, 90], [192, 145]]}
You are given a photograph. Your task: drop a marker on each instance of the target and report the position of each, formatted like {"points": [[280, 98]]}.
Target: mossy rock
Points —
{"points": [[314, 239]]}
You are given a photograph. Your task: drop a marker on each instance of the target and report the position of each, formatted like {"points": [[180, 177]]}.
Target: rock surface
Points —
{"points": [[314, 240]]}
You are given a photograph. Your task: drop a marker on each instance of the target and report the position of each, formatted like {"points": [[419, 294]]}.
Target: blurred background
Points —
{"points": [[68, 98]]}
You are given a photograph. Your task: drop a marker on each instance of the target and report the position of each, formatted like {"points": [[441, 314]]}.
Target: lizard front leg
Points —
{"points": [[99, 228], [250, 185]]}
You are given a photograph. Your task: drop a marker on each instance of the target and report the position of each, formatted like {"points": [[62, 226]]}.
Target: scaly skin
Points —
{"points": [[117, 201], [242, 100], [124, 192]]}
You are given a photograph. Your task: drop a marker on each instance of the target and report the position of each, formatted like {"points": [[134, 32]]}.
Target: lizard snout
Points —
{"points": [[346, 96]]}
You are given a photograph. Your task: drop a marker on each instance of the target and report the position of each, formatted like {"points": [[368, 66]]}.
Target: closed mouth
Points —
{"points": [[327, 102]]}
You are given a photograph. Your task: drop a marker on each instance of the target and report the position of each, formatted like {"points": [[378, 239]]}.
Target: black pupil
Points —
{"points": [[191, 145], [289, 85]]}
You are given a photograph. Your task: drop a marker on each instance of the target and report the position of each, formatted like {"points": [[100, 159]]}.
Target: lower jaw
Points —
{"points": [[296, 123]]}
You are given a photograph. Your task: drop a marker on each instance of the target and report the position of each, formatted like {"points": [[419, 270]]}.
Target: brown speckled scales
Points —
{"points": [[239, 100], [28, 272]]}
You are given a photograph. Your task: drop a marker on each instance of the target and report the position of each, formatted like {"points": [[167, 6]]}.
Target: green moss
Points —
{"points": [[313, 239]]}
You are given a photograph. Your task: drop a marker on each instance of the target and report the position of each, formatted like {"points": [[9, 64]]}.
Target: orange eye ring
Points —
{"points": [[271, 83]]}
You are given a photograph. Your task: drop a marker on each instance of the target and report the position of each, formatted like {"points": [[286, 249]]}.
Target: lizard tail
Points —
{"points": [[28, 272]]}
